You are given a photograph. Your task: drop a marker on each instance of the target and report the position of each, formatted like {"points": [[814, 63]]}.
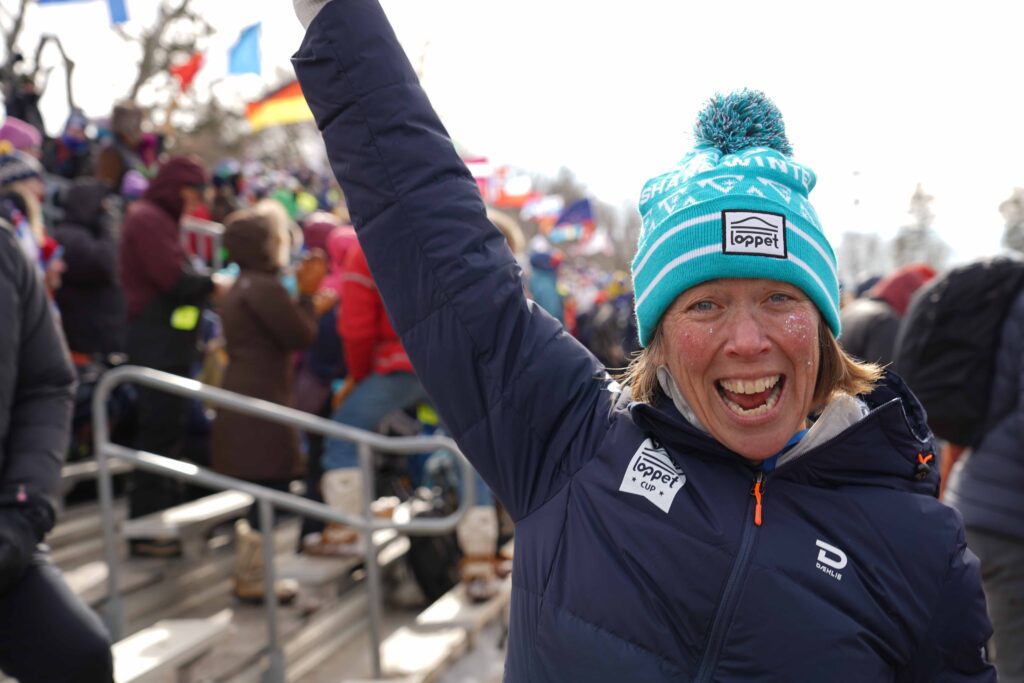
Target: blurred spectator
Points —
{"points": [[46, 633], [21, 98], [263, 327], [543, 282], [164, 297], [380, 380], [21, 190], [871, 323], [120, 153], [91, 300], [70, 155], [987, 492], [23, 137], [324, 364]]}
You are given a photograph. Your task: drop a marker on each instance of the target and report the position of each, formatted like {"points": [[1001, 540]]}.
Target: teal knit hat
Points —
{"points": [[734, 207]]}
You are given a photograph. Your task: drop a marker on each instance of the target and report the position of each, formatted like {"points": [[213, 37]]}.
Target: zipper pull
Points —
{"points": [[22, 495], [758, 492]]}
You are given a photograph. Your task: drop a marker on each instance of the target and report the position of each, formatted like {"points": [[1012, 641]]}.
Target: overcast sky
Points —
{"points": [[877, 96]]}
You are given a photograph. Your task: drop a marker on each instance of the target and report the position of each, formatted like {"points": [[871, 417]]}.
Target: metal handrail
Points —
{"points": [[266, 498]]}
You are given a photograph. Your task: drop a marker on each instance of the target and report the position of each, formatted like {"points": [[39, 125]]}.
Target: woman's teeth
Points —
{"points": [[751, 388], [747, 386]]}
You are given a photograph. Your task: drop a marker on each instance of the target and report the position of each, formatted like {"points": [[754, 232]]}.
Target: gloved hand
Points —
{"points": [[21, 529]]}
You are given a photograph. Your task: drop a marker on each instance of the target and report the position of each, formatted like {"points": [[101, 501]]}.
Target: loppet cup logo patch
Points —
{"points": [[653, 475], [754, 233]]}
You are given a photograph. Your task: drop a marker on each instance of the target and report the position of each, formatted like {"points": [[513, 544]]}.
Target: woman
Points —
{"points": [[263, 328], [686, 528]]}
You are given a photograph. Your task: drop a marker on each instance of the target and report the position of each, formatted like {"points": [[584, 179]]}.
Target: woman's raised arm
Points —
{"points": [[525, 401]]}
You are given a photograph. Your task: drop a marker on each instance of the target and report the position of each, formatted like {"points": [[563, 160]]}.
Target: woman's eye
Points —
{"points": [[780, 298], [703, 307]]}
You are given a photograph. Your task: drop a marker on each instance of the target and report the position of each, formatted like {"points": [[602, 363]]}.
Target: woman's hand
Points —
{"points": [[311, 272]]}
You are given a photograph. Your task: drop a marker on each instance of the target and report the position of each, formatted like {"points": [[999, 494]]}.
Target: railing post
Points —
{"points": [[372, 567], [275, 669], [113, 612]]}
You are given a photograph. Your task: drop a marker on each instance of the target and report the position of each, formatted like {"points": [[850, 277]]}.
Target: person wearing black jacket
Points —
{"points": [[46, 633], [90, 299]]}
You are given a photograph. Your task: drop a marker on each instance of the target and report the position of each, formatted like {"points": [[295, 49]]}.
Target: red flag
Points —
{"points": [[186, 73]]}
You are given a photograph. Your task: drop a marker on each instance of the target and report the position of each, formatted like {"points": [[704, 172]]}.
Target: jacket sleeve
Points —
{"points": [[292, 325], [40, 408], [162, 258], [954, 649], [358, 319], [524, 400]]}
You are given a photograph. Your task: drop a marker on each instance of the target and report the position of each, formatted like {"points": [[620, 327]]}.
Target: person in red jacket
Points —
{"points": [[380, 381]]}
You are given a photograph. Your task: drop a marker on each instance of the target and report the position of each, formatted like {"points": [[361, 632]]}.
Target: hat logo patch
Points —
{"points": [[754, 233]]}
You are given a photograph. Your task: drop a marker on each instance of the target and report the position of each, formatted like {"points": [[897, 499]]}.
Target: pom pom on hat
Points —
{"points": [[741, 120]]}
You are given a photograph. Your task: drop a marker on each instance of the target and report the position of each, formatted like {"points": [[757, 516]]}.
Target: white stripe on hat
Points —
{"points": [[675, 263], [817, 279], [814, 243], [717, 216]]}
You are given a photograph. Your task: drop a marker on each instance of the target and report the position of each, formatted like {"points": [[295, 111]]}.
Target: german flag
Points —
{"points": [[284, 105]]}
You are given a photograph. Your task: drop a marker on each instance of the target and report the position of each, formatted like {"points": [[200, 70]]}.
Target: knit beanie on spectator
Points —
{"points": [[22, 136], [16, 165], [734, 207]]}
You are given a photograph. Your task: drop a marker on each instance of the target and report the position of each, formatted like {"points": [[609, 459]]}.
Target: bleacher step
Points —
{"points": [[89, 581], [190, 522], [167, 646], [456, 609], [419, 656]]}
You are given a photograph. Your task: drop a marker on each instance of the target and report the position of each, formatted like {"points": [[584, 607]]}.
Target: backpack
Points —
{"points": [[947, 344]]}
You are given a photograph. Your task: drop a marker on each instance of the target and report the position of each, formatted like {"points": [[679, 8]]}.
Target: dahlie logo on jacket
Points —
{"points": [[653, 475]]}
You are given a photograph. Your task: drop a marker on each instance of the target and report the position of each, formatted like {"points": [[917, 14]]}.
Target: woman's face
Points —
{"points": [[745, 355]]}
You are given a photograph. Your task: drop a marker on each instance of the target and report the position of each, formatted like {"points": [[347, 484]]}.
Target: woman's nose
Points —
{"points": [[747, 336]]}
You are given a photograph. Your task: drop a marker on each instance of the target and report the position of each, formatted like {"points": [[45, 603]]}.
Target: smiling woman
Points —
{"points": [[752, 505]]}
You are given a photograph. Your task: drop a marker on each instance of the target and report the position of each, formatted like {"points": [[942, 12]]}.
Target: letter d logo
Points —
{"points": [[830, 555]]}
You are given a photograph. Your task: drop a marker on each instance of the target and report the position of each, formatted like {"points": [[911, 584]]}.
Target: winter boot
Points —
{"points": [[342, 490], [249, 575], [478, 537]]}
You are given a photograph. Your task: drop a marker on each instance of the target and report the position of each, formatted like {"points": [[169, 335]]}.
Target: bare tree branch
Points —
{"points": [[156, 55], [69, 66], [11, 40]]}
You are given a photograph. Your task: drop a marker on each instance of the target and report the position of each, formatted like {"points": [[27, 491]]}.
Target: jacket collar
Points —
{"points": [[882, 449]]}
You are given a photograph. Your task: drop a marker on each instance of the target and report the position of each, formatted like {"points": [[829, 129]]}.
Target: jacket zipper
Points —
{"points": [[727, 605]]}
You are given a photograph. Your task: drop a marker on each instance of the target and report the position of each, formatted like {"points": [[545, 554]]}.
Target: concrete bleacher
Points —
{"points": [[182, 623], [190, 523], [171, 646]]}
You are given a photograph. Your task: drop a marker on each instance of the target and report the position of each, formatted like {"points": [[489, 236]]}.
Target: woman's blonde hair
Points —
{"points": [[838, 372], [33, 209]]}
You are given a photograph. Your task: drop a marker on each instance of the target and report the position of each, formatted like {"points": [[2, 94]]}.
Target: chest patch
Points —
{"points": [[653, 475]]}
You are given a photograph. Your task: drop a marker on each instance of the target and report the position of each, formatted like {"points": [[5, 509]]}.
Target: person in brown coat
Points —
{"points": [[263, 327]]}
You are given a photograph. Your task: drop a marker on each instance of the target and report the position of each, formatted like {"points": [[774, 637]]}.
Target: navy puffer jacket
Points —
{"points": [[637, 554]]}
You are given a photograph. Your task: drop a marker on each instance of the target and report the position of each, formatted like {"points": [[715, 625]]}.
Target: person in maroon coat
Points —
{"points": [[164, 297]]}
